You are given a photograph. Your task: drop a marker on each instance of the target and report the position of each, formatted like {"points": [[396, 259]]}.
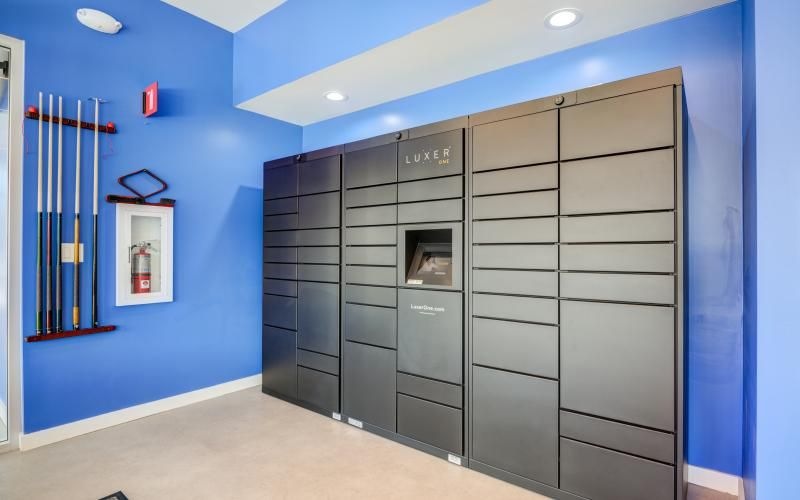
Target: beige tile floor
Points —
{"points": [[242, 446]]}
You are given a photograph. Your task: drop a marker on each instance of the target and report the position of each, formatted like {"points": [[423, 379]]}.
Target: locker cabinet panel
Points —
{"points": [[279, 367], [383, 235], [536, 204], [515, 308], [280, 182], [280, 222], [431, 156], [519, 141], [371, 166], [318, 388], [280, 254], [430, 334], [280, 287], [318, 176], [371, 325], [617, 361], [515, 423], [600, 474], [431, 423], [318, 255], [317, 361], [432, 390], [519, 347], [377, 195], [374, 256], [431, 189], [319, 210], [516, 231], [280, 206], [318, 317], [371, 295], [369, 388], [632, 122], [430, 211], [371, 216], [515, 256], [318, 272], [658, 226], [641, 288], [627, 183], [280, 271], [318, 237], [620, 437], [515, 180], [370, 275], [280, 239], [280, 311], [541, 283], [642, 258]]}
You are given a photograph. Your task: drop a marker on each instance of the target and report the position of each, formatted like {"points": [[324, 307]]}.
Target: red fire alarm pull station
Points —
{"points": [[150, 99]]}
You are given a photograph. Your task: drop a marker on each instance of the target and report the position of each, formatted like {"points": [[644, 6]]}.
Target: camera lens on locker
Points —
{"points": [[141, 267]]}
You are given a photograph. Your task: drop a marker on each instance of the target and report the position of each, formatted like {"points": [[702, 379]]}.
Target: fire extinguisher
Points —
{"points": [[140, 267]]}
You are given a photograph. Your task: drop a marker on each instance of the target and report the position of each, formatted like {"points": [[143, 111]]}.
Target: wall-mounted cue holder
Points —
{"points": [[33, 114]]}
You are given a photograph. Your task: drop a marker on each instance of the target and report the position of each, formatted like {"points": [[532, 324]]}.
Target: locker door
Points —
{"points": [[279, 365], [318, 317]]}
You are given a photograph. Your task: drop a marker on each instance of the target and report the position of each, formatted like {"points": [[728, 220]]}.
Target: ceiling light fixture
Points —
{"points": [[562, 18], [335, 95], [98, 21]]}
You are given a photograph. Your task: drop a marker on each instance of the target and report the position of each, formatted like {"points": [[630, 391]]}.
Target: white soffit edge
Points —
{"points": [[231, 15], [491, 36]]}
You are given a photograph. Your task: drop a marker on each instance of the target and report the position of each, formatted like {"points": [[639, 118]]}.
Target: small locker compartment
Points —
{"points": [[318, 317], [657, 226], [318, 237], [430, 334], [370, 275], [279, 364], [517, 282], [369, 384], [280, 254], [318, 255], [430, 211], [431, 189], [280, 287], [371, 256], [280, 222], [368, 167], [319, 176], [383, 235], [376, 195], [280, 311], [280, 206], [431, 423], [318, 389], [515, 256], [516, 231], [280, 181], [430, 255], [632, 122], [318, 272], [319, 211], [530, 309], [618, 362], [515, 423], [515, 180], [371, 295], [525, 140], [371, 325], [630, 257], [507, 206], [601, 474], [371, 216], [280, 238], [280, 271], [513, 346], [638, 288], [436, 155]]}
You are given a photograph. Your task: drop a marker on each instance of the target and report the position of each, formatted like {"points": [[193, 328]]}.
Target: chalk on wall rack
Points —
{"points": [[33, 114], [70, 333]]}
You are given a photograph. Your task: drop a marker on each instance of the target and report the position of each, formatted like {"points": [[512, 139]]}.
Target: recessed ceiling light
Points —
{"points": [[562, 18], [335, 95]]}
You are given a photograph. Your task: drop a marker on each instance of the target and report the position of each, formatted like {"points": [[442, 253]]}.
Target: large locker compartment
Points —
{"points": [[301, 278], [508, 288]]}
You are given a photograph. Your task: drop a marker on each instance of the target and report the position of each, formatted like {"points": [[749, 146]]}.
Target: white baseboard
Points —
{"points": [[715, 480], [85, 426]]}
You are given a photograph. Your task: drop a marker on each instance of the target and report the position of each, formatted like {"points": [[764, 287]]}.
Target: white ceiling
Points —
{"points": [[231, 15], [491, 36]]}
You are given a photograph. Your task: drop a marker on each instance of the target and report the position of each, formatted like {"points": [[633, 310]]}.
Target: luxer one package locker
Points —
{"points": [[511, 291]]}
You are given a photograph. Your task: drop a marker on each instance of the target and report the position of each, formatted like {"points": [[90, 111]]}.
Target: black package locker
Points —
{"points": [[553, 357]]}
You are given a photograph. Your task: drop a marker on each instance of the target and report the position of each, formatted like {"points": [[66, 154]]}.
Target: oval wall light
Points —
{"points": [[562, 19], [98, 21]]}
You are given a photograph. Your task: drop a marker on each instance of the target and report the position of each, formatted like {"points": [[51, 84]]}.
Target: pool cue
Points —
{"points": [[39, 315], [76, 278], [48, 284], [95, 322], [58, 317]]}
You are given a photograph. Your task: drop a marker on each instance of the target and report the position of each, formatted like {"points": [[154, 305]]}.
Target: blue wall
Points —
{"points": [[304, 36], [708, 47], [749, 183], [210, 154], [777, 77]]}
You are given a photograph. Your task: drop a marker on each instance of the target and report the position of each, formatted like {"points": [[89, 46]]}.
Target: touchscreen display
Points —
{"points": [[431, 265]]}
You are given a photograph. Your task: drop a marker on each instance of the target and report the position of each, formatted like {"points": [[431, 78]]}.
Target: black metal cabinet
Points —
{"points": [[279, 361], [369, 384]]}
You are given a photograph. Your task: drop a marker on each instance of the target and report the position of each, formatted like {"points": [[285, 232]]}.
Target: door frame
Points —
{"points": [[14, 271]]}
